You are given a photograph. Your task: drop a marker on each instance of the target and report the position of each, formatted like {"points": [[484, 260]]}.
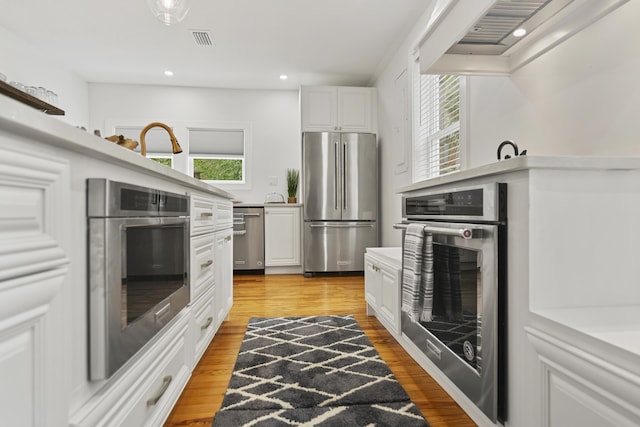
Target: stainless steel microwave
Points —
{"points": [[138, 259]]}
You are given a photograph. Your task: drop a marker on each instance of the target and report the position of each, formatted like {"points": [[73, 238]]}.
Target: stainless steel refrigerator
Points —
{"points": [[340, 200]]}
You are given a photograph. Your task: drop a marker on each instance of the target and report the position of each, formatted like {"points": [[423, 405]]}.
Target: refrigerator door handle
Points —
{"points": [[344, 176], [337, 173], [341, 225]]}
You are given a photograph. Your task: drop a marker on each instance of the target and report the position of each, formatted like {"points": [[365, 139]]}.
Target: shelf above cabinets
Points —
{"points": [[32, 101]]}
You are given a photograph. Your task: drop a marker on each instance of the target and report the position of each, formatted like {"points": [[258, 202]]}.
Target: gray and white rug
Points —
{"points": [[313, 371]]}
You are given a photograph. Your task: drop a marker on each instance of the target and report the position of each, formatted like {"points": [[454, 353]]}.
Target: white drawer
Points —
{"points": [[158, 396], [202, 264], [204, 323], [224, 214], [202, 214]]}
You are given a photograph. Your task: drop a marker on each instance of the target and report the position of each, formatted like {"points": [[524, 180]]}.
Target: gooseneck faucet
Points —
{"points": [[174, 141], [501, 146]]}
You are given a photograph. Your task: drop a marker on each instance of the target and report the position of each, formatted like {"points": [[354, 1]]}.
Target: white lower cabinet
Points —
{"points": [[144, 394], [203, 267], [204, 327], [282, 236], [155, 398], [578, 388], [224, 275], [35, 194], [383, 282]]}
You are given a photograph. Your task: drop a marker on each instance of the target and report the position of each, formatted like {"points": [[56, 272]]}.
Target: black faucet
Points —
{"points": [[515, 150]]}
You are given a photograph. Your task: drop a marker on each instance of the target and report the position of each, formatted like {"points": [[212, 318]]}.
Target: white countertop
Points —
{"points": [[515, 164], [390, 255], [23, 120]]}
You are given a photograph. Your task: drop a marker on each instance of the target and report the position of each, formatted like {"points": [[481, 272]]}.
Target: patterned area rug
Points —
{"points": [[313, 371]]}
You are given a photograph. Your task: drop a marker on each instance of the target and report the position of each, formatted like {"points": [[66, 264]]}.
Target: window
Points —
{"points": [[217, 154], [437, 142], [215, 151]]}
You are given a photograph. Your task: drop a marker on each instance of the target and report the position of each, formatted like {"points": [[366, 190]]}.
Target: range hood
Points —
{"points": [[492, 34], [459, 42]]}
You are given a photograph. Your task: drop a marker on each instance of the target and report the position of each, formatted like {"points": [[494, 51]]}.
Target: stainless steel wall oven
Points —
{"points": [[138, 240], [455, 311]]}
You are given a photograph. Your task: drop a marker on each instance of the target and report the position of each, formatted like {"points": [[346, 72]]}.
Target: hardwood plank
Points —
{"points": [[295, 295]]}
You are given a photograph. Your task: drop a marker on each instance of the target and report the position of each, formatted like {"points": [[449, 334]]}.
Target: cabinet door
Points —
{"points": [[224, 275], [355, 109], [203, 254], [282, 236], [35, 318], [319, 108], [389, 311], [372, 283]]}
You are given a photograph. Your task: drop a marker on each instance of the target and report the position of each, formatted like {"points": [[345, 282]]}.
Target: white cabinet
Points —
{"points": [[204, 327], [224, 275], [338, 109], [282, 236], [383, 282], [580, 388], [202, 214], [35, 195]]}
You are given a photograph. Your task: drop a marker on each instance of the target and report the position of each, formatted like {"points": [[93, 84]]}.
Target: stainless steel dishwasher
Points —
{"points": [[248, 240]]}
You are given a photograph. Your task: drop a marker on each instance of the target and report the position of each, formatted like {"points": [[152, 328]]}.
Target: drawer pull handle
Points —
{"points": [[206, 214], [206, 325], [228, 238], [206, 264], [165, 385]]}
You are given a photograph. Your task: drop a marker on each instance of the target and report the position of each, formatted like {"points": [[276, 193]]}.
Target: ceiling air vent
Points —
{"points": [[202, 37]]}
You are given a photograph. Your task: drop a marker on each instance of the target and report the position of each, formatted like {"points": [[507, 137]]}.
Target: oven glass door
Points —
{"points": [[457, 297], [153, 264]]}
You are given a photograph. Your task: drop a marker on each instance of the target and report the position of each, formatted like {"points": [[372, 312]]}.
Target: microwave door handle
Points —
{"points": [[465, 233]]}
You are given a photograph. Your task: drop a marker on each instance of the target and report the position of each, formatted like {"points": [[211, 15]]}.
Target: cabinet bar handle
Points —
{"points": [[206, 325], [165, 385], [206, 264], [206, 214]]}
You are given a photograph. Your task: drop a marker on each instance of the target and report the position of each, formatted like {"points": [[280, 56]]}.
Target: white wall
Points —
{"points": [[394, 133], [22, 62], [274, 117], [580, 98]]}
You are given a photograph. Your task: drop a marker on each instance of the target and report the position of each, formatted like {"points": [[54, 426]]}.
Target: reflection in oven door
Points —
{"points": [[462, 336], [455, 321]]}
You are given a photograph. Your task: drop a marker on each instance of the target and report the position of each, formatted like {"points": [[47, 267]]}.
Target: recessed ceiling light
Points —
{"points": [[283, 77], [519, 32], [168, 73]]}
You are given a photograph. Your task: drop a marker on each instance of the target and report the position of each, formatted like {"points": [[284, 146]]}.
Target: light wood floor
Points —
{"points": [[294, 295]]}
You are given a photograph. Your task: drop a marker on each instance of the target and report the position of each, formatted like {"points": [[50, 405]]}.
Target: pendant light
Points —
{"points": [[169, 11]]}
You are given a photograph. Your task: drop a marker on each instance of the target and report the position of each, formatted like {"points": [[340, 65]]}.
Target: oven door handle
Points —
{"points": [[465, 233]]}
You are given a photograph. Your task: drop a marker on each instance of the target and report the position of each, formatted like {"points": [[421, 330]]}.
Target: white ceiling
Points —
{"points": [[341, 42]]}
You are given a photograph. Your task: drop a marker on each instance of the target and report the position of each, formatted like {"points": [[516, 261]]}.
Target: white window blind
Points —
{"points": [[437, 124], [223, 142]]}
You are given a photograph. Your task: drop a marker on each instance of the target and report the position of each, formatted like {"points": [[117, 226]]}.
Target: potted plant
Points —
{"points": [[292, 184]]}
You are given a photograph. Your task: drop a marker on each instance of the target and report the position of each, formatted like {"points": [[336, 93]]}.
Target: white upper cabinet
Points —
{"points": [[338, 109]]}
